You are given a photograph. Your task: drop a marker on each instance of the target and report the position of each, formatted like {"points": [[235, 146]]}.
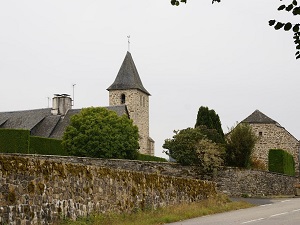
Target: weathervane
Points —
{"points": [[128, 43]]}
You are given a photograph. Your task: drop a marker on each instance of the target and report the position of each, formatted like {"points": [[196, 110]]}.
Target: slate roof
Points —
{"points": [[42, 123], [259, 117], [128, 77]]}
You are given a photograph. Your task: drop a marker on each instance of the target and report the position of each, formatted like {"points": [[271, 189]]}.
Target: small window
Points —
{"points": [[122, 98], [260, 133]]}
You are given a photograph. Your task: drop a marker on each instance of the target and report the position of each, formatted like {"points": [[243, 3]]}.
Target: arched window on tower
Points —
{"points": [[122, 98]]}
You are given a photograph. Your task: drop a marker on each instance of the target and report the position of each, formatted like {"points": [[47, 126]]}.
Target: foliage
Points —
{"points": [[20, 141], [191, 147], [46, 146], [288, 26], [182, 146], [209, 155], [210, 119], [14, 141], [257, 164], [281, 161], [98, 132], [212, 134], [143, 157], [240, 143]]}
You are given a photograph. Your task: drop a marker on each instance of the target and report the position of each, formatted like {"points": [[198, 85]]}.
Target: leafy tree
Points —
{"points": [[209, 155], [212, 134], [98, 132], [182, 146], [240, 144], [209, 118], [287, 26], [191, 147]]}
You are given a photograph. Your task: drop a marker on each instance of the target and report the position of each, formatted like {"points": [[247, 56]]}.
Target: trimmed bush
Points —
{"points": [[46, 146], [100, 133], [143, 157], [14, 141], [281, 161]]}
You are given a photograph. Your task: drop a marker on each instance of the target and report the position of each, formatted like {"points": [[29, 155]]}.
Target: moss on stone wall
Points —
{"points": [[54, 186]]}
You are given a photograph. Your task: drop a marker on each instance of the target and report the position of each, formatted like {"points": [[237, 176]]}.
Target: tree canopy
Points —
{"points": [[292, 8], [191, 147], [240, 144], [98, 132], [209, 118]]}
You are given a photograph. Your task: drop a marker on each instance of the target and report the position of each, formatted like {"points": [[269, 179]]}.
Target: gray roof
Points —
{"points": [[128, 77], [42, 123], [259, 117]]}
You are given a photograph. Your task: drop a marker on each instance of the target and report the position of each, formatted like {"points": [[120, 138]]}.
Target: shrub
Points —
{"points": [[191, 147], [257, 164], [14, 141], [46, 146], [209, 156], [98, 132], [281, 161], [182, 147], [240, 144]]}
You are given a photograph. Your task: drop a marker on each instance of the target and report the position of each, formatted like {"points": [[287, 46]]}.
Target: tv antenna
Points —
{"points": [[73, 86]]}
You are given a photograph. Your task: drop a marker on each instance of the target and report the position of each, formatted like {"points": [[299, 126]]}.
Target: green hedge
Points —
{"points": [[14, 141], [281, 161], [20, 141], [143, 157], [46, 146]]}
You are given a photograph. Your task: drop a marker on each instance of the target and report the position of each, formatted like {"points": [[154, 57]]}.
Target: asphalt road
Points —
{"points": [[273, 212]]}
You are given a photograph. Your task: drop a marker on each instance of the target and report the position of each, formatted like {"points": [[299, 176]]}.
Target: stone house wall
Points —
{"points": [[137, 103], [41, 189], [272, 136]]}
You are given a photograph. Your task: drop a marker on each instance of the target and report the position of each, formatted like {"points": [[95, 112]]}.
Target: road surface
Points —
{"points": [[275, 212]]}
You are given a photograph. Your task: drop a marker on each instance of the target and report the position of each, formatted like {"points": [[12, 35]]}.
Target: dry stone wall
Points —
{"points": [[37, 189], [41, 189], [239, 182]]}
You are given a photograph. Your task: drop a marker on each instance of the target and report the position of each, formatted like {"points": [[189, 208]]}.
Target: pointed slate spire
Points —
{"points": [[128, 77], [259, 117]]}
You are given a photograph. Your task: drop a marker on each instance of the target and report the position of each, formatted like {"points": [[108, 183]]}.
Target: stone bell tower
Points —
{"points": [[128, 89]]}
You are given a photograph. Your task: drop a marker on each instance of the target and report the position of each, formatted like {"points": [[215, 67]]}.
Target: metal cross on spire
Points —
{"points": [[128, 43]]}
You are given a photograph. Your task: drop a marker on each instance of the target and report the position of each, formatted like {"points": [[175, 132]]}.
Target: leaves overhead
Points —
{"points": [[288, 26], [282, 7]]}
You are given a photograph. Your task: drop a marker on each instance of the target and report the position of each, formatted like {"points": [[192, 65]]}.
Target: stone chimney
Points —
{"points": [[61, 103]]}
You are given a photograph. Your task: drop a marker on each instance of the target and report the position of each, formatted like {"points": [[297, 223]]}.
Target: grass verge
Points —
{"points": [[163, 215]]}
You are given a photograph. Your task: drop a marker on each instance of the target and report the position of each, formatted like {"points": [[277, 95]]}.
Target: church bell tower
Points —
{"points": [[128, 89]]}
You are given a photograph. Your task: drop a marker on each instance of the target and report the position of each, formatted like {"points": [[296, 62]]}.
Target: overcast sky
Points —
{"points": [[224, 56]]}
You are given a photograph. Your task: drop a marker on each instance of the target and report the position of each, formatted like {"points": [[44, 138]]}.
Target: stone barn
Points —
{"points": [[271, 135]]}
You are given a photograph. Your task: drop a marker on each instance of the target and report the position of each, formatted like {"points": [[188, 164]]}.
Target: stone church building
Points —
{"points": [[127, 95], [271, 135], [127, 89]]}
